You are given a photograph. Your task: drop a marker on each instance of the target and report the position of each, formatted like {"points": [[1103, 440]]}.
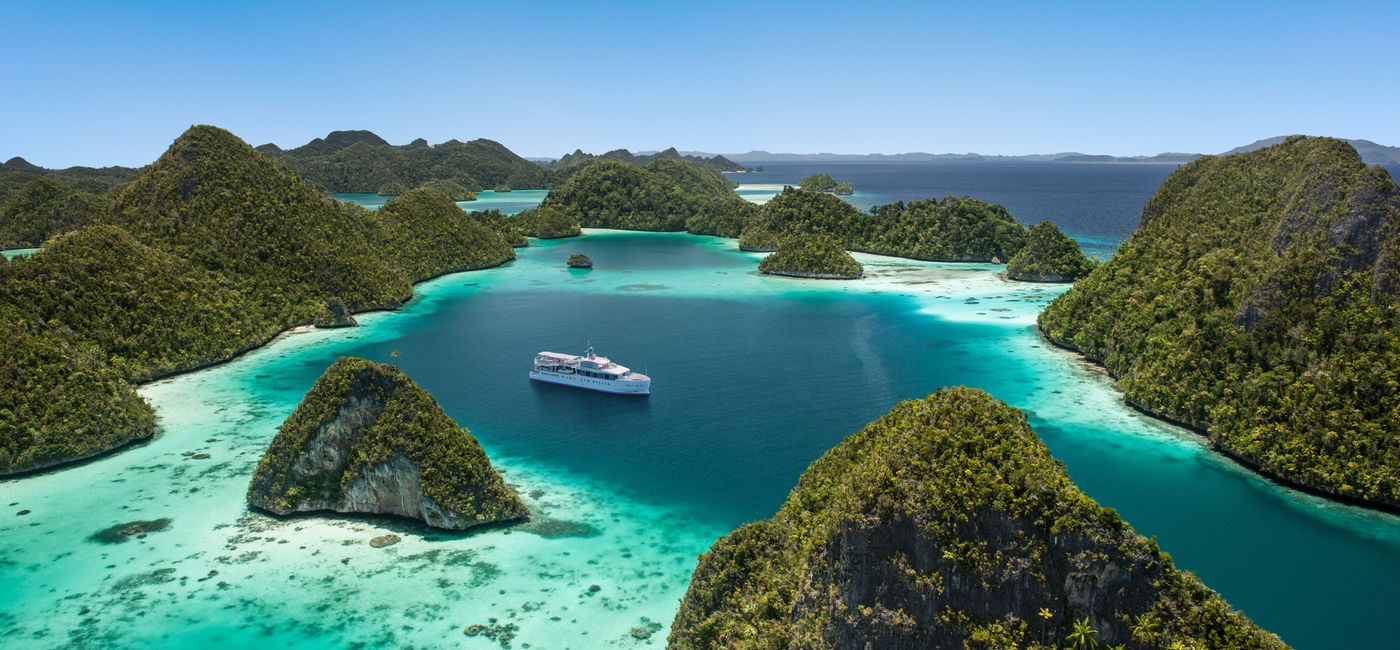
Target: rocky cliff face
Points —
{"points": [[1257, 302], [366, 439], [946, 524]]}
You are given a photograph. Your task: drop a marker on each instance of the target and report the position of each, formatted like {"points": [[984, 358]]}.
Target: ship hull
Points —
{"points": [[599, 385]]}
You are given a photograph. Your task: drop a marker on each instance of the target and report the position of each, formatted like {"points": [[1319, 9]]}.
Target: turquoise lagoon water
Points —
{"points": [[18, 252], [754, 378], [506, 202]]}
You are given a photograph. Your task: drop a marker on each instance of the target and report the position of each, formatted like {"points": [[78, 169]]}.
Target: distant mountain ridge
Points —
{"points": [[1371, 154]]}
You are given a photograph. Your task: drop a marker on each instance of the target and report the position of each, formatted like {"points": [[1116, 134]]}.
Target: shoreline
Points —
{"points": [[1224, 452], [291, 330]]}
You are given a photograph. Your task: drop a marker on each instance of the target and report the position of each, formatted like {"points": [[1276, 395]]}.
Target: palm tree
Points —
{"points": [[1084, 635], [1144, 627]]}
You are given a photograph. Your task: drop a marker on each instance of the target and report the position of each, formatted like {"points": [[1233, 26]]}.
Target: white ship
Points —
{"points": [[589, 371]]}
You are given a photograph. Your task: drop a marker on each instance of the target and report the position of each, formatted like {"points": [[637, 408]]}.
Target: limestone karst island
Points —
{"points": [[501, 326]]}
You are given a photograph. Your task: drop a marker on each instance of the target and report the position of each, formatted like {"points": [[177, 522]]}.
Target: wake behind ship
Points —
{"points": [[589, 371]]}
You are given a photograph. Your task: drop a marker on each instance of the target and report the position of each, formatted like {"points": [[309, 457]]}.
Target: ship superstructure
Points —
{"points": [[589, 371]]}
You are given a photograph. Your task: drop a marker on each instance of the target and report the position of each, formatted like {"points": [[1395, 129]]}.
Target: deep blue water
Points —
{"points": [[1096, 203], [1100, 201]]}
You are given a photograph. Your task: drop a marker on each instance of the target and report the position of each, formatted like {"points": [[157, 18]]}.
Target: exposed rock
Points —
{"points": [[366, 439], [336, 315], [385, 540], [580, 261], [121, 532], [946, 524]]}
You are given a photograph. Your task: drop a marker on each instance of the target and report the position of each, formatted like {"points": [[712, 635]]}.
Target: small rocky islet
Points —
{"points": [[812, 256], [579, 261], [367, 440]]}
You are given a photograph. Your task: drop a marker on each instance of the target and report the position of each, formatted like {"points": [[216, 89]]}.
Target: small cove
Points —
{"points": [[755, 377]]}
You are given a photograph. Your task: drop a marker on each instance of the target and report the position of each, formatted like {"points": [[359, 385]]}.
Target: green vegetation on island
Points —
{"points": [[951, 230], [812, 256], [501, 188], [578, 158], [546, 222], [817, 183], [362, 162], [666, 195], [432, 236], [1049, 256], [579, 261], [947, 524], [367, 439], [41, 208], [824, 183], [1257, 301], [453, 191], [208, 252]]}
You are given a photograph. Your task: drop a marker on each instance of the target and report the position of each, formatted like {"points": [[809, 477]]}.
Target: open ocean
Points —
{"points": [[754, 377]]}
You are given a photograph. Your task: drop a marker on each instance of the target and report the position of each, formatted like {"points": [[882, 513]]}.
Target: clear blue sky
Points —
{"points": [[114, 83]]}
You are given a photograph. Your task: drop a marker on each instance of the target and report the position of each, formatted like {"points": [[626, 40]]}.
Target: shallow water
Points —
{"points": [[506, 202], [18, 252], [754, 377]]}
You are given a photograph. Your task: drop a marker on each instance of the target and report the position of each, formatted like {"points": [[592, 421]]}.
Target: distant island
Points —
{"points": [[578, 157], [1257, 303], [949, 230], [811, 256], [665, 195], [360, 162], [1049, 256], [947, 524], [1371, 154], [825, 183]]}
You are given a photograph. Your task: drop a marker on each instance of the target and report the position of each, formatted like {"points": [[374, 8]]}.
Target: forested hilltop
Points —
{"points": [[951, 230], [208, 252], [38, 203], [1257, 301], [364, 163], [947, 524], [665, 195], [717, 162], [1049, 256], [812, 256]]}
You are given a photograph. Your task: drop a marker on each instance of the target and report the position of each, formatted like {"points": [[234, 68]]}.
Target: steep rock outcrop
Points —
{"points": [[366, 439], [1257, 302], [580, 261], [947, 524]]}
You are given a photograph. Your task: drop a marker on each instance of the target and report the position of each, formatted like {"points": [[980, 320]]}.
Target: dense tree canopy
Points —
{"points": [[43, 207], [666, 195], [951, 230], [578, 157], [1258, 301], [1049, 256], [210, 251], [815, 256], [947, 524], [817, 183], [362, 162]]}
